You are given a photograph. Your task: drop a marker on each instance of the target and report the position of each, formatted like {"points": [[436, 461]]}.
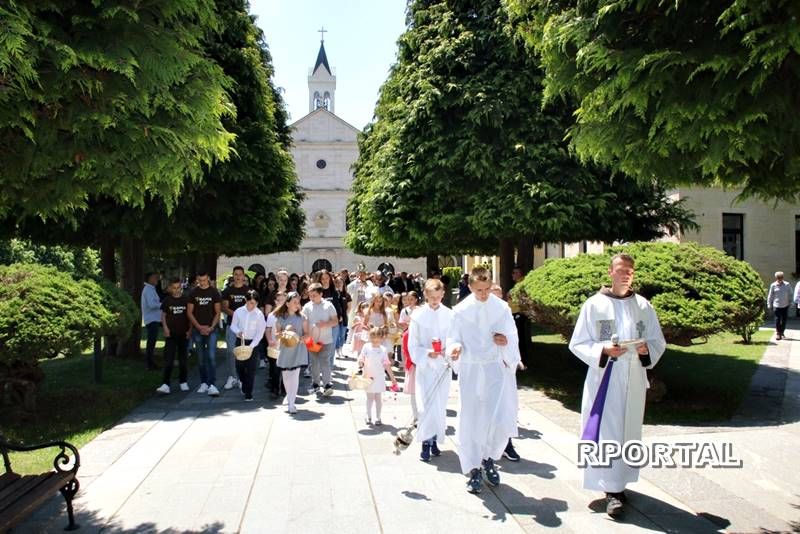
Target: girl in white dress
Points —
{"points": [[374, 359]]}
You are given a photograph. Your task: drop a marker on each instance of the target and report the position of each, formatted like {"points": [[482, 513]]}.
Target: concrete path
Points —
{"points": [[188, 463]]}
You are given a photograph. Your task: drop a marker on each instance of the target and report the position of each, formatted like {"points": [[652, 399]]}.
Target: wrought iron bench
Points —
{"points": [[20, 495]]}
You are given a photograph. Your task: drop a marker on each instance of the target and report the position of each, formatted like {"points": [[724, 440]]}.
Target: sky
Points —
{"points": [[360, 42]]}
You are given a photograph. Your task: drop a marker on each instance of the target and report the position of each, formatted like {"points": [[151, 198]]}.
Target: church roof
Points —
{"points": [[322, 59], [322, 112]]}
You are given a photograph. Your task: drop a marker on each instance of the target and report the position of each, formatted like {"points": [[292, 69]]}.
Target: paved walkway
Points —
{"points": [[188, 463]]}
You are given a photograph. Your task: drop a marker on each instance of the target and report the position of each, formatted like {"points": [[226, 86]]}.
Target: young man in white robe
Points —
{"points": [[618, 333], [432, 376], [482, 342]]}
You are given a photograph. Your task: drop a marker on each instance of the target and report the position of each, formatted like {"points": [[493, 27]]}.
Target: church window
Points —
{"points": [[321, 164], [326, 101]]}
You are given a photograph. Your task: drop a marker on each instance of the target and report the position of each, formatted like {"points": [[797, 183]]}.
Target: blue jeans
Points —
{"points": [[206, 354], [342, 336], [335, 334], [230, 344]]}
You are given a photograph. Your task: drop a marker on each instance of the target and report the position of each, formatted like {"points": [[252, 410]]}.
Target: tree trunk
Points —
{"points": [[132, 259], [431, 264], [525, 254], [107, 260], [209, 261], [506, 263], [109, 270]]}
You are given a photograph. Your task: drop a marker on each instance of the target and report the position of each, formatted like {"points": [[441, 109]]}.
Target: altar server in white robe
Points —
{"points": [[432, 377], [482, 341], [618, 334]]}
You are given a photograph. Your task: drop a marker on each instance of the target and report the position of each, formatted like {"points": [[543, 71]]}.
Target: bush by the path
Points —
{"points": [[696, 290], [44, 313]]}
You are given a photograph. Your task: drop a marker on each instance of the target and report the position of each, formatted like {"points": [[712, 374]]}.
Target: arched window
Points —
{"points": [[326, 101], [317, 100]]}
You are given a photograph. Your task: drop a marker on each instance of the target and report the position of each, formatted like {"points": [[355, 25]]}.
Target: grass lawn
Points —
{"points": [[706, 382], [71, 407]]}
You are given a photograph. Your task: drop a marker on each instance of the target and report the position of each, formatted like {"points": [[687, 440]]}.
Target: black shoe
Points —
{"points": [[510, 453], [435, 448], [490, 472], [425, 455], [622, 496], [614, 506], [475, 482]]}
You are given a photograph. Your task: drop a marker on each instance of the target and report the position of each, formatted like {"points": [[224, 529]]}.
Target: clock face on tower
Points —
{"points": [[321, 164]]}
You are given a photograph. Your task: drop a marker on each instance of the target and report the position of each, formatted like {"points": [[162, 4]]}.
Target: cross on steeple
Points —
{"points": [[322, 31]]}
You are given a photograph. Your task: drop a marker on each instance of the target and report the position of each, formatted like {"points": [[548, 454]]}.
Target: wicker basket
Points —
{"points": [[289, 339], [359, 381], [272, 352], [242, 352]]}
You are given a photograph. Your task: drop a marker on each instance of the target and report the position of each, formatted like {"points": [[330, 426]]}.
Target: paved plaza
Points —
{"points": [[190, 463]]}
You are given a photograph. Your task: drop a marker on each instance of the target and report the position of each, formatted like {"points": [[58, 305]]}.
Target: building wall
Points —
{"points": [[769, 228], [322, 136]]}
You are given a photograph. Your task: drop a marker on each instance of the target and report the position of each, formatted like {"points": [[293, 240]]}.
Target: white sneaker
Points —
{"points": [[230, 383], [292, 409], [262, 364], [163, 389], [306, 373], [213, 391], [203, 388], [184, 386]]}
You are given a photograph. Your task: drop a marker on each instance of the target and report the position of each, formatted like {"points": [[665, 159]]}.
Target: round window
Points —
{"points": [[321, 164]]}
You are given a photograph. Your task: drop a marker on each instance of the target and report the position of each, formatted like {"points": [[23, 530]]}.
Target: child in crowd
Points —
{"points": [[360, 328], [272, 379], [374, 359], [291, 358]]}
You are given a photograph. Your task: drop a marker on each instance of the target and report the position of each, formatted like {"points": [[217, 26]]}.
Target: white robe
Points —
{"points": [[488, 414], [432, 378], [630, 318]]}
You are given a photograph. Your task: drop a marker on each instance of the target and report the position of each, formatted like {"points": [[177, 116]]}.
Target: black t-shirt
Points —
{"points": [[204, 301], [236, 297], [331, 295], [175, 310]]}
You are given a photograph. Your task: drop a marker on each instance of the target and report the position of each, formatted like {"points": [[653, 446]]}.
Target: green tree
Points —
{"points": [[696, 290], [80, 262], [110, 98], [689, 92], [461, 154]]}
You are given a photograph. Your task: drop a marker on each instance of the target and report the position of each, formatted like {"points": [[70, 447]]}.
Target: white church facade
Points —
{"points": [[324, 148]]}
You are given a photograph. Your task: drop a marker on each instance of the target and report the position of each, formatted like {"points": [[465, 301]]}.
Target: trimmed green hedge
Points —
{"points": [[696, 290], [454, 273], [45, 312]]}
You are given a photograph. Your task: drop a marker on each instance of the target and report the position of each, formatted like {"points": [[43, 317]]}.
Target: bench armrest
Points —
{"points": [[63, 462]]}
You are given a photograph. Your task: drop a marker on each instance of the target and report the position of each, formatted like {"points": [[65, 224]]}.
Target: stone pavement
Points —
{"points": [[189, 463]]}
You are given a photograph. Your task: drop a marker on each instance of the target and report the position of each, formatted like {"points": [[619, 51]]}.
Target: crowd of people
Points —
{"points": [[294, 324]]}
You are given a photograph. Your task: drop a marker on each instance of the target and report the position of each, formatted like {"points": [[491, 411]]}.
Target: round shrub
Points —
{"points": [[122, 306], [696, 290], [44, 313], [454, 273]]}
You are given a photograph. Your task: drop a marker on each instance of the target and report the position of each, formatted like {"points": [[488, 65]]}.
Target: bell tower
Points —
{"points": [[321, 81]]}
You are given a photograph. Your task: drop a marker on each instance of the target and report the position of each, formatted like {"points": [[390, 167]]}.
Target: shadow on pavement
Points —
{"points": [[510, 501], [664, 515]]}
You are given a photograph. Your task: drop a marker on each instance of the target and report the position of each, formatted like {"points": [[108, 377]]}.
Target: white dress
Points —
{"points": [[630, 318], [375, 361]]}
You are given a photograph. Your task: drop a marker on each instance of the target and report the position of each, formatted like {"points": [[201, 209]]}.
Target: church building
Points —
{"points": [[324, 149]]}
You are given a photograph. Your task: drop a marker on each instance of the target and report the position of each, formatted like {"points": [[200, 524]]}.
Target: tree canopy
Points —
{"points": [[109, 98], [462, 154], [245, 204], [690, 92]]}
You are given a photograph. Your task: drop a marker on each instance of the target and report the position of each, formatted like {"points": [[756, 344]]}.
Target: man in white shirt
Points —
{"points": [[151, 316], [779, 299]]}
